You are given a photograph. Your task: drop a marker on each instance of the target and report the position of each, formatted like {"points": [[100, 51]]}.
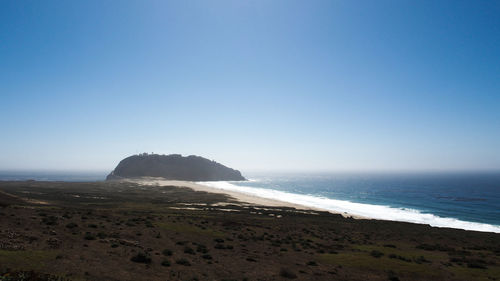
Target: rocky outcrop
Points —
{"points": [[173, 167]]}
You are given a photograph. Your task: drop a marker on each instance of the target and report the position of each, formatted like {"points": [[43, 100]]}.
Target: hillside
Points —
{"points": [[173, 167]]}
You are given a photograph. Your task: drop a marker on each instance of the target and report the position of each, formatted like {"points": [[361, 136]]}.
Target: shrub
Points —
{"points": [[141, 258], [202, 249], [376, 254], [89, 236], [71, 225], [394, 256], [189, 250], [9, 275], [207, 256], [183, 261], [435, 247], [52, 220], [92, 225], [165, 263], [421, 259], [219, 246], [392, 276], [474, 264], [167, 252], [312, 263], [286, 273]]}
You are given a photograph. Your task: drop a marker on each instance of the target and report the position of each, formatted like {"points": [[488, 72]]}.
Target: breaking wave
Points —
{"points": [[357, 209]]}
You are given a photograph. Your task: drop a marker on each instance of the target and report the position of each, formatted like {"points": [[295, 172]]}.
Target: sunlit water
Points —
{"points": [[459, 200]]}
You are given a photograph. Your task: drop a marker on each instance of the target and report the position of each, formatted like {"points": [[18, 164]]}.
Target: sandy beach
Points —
{"points": [[243, 198]]}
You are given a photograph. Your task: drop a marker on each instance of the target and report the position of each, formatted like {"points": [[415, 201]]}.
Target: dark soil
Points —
{"points": [[122, 231]]}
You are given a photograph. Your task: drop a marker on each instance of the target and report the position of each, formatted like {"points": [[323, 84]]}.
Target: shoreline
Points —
{"points": [[243, 198], [249, 199], [185, 229]]}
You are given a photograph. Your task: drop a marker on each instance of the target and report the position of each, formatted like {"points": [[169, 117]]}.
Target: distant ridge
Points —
{"points": [[173, 167]]}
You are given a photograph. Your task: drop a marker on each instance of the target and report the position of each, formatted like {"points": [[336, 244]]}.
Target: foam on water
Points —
{"points": [[359, 209]]}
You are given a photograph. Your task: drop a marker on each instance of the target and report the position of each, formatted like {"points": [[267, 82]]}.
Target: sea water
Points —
{"points": [[468, 200], [77, 176]]}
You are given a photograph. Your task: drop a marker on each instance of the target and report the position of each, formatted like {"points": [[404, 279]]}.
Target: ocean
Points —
{"points": [[53, 175], [468, 200]]}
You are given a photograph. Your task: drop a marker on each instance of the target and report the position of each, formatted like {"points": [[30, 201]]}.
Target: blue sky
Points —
{"points": [[256, 85]]}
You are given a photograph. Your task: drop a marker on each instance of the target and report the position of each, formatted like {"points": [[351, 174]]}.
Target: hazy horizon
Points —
{"points": [[254, 85], [267, 171]]}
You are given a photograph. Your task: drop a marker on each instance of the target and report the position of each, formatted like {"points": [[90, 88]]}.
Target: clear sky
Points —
{"points": [[278, 85]]}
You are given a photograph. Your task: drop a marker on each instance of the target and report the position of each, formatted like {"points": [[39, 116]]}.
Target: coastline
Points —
{"points": [[380, 212], [241, 197], [186, 229]]}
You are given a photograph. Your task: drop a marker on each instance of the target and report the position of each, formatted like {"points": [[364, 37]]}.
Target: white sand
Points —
{"points": [[243, 198]]}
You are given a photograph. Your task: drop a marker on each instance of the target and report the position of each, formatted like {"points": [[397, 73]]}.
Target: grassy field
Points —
{"points": [[122, 231]]}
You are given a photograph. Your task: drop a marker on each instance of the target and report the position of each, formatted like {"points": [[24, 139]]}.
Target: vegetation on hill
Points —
{"points": [[174, 167]]}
